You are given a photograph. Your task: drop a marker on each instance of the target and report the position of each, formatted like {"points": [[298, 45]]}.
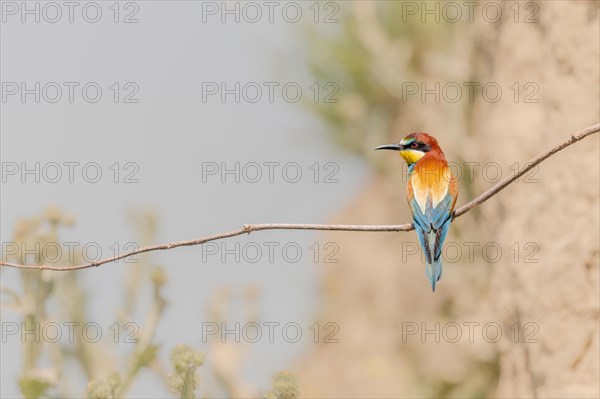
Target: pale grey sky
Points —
{"points": [[164, 61]]}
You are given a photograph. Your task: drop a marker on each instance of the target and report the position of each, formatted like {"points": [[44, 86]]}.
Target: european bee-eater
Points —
{"points": [[432, 191]]}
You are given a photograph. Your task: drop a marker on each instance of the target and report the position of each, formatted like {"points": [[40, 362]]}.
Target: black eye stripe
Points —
{"points": [[419, 146]]}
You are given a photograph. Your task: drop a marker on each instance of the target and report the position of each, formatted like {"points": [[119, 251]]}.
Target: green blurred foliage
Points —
{"points": [[185, 362], [368, 54], [284, 386], [54, 297]]}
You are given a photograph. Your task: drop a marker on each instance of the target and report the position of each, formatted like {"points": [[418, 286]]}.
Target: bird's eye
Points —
{"points": [[414, 144]]}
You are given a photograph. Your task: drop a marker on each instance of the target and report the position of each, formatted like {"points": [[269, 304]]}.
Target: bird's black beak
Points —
{"points": [[394, 147]]}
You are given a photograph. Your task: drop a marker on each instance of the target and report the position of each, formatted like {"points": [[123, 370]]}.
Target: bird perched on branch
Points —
{"points": [[432, 191]]}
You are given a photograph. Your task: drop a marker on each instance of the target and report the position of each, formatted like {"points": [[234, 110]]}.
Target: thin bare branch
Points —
{"points": [[575, 137], [249, 228]]}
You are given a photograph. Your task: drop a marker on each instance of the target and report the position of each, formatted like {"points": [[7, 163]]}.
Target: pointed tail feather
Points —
{"points": [[434, 272], [431, 243], [433, 261]]}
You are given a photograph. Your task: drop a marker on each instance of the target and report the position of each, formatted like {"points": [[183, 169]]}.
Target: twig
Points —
{"points": [[575, 137], [249, 228]]}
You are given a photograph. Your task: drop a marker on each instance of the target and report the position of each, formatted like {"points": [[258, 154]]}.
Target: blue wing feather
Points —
{"points": [[432, 227]]}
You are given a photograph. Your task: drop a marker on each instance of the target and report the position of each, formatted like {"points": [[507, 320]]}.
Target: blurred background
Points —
{"points": [[125, 124]]}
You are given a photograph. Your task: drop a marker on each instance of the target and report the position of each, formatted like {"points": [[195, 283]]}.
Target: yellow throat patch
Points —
{"points": [[411, 156]]}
